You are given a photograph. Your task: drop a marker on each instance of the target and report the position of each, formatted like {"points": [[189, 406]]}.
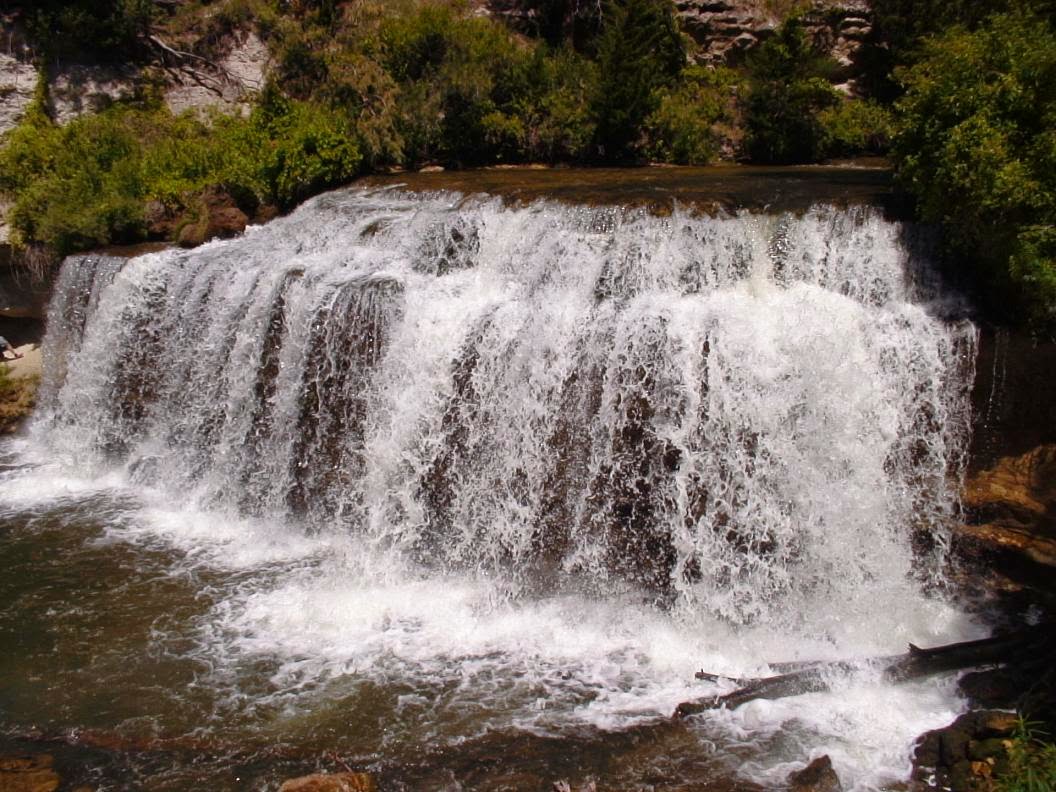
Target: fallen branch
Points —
{"points": [[915, 664], [182, 62]]}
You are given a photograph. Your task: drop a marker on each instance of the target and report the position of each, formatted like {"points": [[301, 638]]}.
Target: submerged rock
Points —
{"points": [[330, 782]]}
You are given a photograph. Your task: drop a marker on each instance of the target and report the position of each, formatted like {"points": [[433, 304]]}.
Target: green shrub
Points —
{"points": [[469, 93], [976, 147], [682, 128], [76, 186], [788, 90], [856, 126], [1031, 763], [555, 107], [289, 150], [85, 184], [102, 29]]}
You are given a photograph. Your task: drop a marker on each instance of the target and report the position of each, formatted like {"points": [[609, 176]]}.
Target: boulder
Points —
{"points": [[818, 776], [966, 754], [214, 214]]}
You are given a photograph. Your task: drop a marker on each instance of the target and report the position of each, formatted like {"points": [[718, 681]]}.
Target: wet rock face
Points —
{"points": [[1009, 527]]}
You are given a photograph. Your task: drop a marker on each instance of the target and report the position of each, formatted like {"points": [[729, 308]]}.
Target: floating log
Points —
{"points": [[916, 663]]}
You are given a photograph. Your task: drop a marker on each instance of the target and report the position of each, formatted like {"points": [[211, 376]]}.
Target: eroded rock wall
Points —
{"points": [[725, 30], [1010, 491]]}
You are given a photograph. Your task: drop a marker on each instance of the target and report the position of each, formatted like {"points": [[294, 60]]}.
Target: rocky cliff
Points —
{"points": [[724, 31]]}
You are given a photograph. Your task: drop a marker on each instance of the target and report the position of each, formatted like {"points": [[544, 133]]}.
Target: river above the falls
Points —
{"points": [[462, 490]]}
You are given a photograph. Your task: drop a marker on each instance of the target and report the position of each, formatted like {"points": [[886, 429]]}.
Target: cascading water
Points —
{"points": [[534, 464]]}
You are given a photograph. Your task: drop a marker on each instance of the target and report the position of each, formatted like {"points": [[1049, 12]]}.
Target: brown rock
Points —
{"points": [[161, 222], [214, 214], [995, 687], [330, 782], [1011, 518], [954, 744], [28, 774], [1020, 489], [818, 776], [981, 750], [928, 752]]}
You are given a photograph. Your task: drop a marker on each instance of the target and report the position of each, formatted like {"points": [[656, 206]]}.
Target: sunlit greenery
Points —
{"points": [[1031, 762], [363, 85], [683, 128], [86, 183], [977, 148]]}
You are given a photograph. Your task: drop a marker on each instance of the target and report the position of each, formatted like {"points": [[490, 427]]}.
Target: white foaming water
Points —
{"points": [[476, 439]]}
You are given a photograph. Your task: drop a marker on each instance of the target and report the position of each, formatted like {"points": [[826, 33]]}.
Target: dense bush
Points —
{"points": [[287, 151], [856, 127], [789, 88], [683, 128], [899, 27], [1031, 763], [640, 53], [103, 29], [86, 183], [977, 149]]}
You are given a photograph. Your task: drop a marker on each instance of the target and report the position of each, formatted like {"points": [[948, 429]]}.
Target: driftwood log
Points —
{"points": [[798, 678]]}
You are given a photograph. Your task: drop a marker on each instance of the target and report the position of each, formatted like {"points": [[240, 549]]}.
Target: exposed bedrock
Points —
{"points": [[1010, 491]]}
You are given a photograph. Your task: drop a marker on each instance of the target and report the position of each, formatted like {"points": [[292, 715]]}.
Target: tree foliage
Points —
{"points": [[789, 87], [103, 29], [683, 129], [640, 52], [977, 149], [86, 184]]}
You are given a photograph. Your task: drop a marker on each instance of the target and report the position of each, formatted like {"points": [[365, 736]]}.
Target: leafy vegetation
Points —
{"points": [[976, 147], [86, 184], [1031, 763], [789, 88], [104, 29], [17, 397], [683, 128], [640, 53]]}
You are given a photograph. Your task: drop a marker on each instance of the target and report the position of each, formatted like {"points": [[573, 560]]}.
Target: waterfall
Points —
{"points": [[756, 416]]}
